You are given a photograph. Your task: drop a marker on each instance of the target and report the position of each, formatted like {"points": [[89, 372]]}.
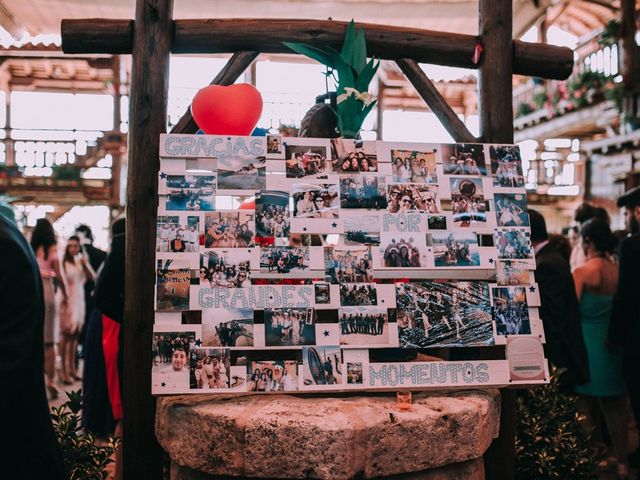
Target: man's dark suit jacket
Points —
{"points": [[28, 447], [560, 315], [96, 257], [624, 327], [109, 291]]}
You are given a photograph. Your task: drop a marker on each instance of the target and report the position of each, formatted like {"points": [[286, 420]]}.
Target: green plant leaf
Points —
{"points": [[349, 43], [359, 52], [312, 52], [365, 77]]}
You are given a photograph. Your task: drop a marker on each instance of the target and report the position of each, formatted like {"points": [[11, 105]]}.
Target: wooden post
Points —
{"points": [[147, 120], [630, 58], [116, 166], [495, 91]]}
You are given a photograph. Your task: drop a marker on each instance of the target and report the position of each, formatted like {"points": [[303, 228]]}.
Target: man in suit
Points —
{"points": [[28, 446], [559, 309], [624, 326], [96, 257]]}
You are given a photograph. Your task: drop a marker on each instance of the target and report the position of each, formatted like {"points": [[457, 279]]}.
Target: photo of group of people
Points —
{"points": [[467, 201], [229, 268], [433, 313], [463, 159], [506, 166], [272, 214], [322, 292], [242, 173], [454, 249], [411, 166], [511, 209], [403, 198], [513, 244], [322, 365], [362, 192], [190, 192], [306, 161], [274, 144], [364, 326], [353, 156], [176, 237], [402, 252], [348, 265], [510, 311], [284, 259], [230, 229], [227, 327], [362, 230], [272, 376], [356, 294], [173, 282], [170, 369], [212, 368], [315, 201], [285, 327], [512, 272]]}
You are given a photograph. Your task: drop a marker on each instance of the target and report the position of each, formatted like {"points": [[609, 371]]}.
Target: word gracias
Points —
{"points": [[213, 146]]}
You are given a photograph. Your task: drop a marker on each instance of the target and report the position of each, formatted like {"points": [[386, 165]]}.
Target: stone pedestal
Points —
{"points": [[444, 435]]}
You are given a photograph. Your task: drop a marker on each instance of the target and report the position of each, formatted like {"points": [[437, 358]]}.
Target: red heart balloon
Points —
{"points": [[232, 110]]}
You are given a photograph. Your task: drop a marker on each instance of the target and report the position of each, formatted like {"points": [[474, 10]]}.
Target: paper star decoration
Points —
{"points": [[491, 260], [304, 229], [334, 225], [163, 175], [198, 342], [532, 289], [163, 384], [326, 333]]}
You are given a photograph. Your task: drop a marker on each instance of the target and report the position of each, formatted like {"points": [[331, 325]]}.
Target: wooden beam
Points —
{"points": [[630, 55], [267, 35], [236, 65], [437, 103], [142, 455]]}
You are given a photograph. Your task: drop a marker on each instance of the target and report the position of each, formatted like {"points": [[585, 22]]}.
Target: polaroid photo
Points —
{"points": [[354, 156], [284, 260], [463, 158], [506, 166], [358, 294], [362, 192], [307, 159], [178, 233], [361, 230], [315, 201], [467, 201], [287, 327], [322, 293], [272, 376], [511, 311], [454, 249], [403, 250], [173, 284], [512, 272], [511, 209], [225, 267], [242, 173], [275, 147], [322, 366], [227, 327], [364, 325], [413, 166], [189, 192], [230, 229], [437, 222], [272, 215], [355, 373], [210, 369], [513, 244], [433, 313], [412, 197], [170, 369], [348, 264]]}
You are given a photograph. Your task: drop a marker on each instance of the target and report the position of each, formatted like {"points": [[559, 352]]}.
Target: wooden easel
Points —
{"points": [[154, 35]]}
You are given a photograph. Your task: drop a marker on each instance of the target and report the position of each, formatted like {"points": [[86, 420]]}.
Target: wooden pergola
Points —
{"points": [[154, 35]]}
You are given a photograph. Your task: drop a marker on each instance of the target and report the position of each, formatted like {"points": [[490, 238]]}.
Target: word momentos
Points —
{"points": [[257, 297], [431, 373]]}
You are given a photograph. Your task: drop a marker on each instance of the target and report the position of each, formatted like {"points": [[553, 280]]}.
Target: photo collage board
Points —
{"points": [[301, 264]]}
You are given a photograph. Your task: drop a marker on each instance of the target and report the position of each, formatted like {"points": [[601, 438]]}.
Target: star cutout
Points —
{"points": [[304, 229], [271, 297], [381, 301], [198, 342], [532, 289], [326, 333], [163, 175], [163, 384], [334, 225], [491, 260]]}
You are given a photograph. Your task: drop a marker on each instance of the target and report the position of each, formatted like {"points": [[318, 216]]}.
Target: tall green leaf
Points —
{"points": [[366, 75], [312, 52], [347, 52], [359, 52]]}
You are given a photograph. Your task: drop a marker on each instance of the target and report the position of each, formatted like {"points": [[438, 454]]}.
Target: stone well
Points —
{"points": [[444, 435]]}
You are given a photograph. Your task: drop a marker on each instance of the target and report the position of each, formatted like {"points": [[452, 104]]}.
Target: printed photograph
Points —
{"points": [[356, 294], [286, 327], [411, 166], [403, 198], [512, 272], [178, 234], [284, 259], [454, 249], [355, 374], [364, 326], [230, 229], [272, 376], [463, 159], [513, 244], [362, 230], [170, 369], [306, 161], [210, 368], [322, 365], [274, 144], [510, 311], [362, 191], [322, 293], [403, 251], [242, 173], [315, 201], [437, 222], [173, 281], [506, 166], [228, 268], [467, 201], [354, 156], [190, 192], [348, 264], [227, 327], [433, 313], [272, 214], [511, 209]]}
